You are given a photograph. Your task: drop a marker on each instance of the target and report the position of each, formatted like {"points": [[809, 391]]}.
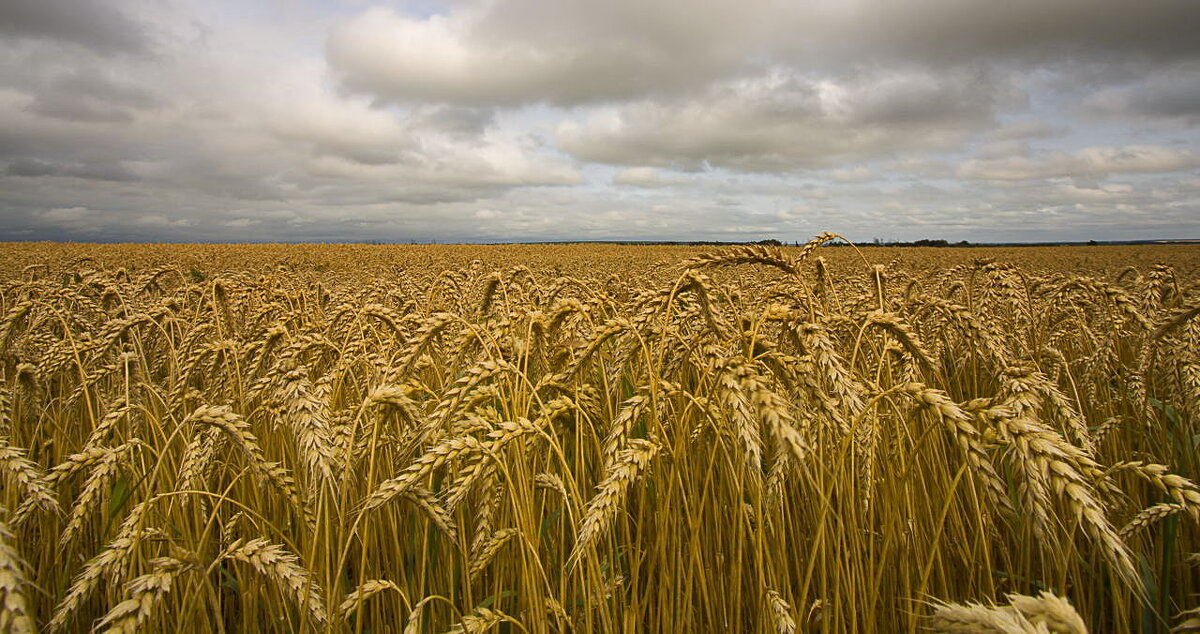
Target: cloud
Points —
{"points": [[31, 167], [1026, 129], [91, 96], [783, 122], [858, 174], [1005, 149], [1086, 162], [94, 170], [329, 128], [525, 51], [1109, 192], [645, 177], [507, 52], [1026, 31], [71, 219], [1172, 93], [65, 214], [99, 26]]}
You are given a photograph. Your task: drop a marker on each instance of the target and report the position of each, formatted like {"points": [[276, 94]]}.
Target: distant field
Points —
{"points": [[554, 438], [577, 259]]}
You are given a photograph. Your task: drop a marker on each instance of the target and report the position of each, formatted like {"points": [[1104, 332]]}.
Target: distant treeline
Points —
{"points": [[919, 243]]}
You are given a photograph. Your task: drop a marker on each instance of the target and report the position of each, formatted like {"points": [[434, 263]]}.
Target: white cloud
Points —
{"points": [[646, 177], [66, 214], [78, 218], [1108, 192], [159, 220]]}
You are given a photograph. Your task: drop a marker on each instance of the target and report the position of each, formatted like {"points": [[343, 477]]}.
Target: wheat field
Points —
{"points": [[585, 438]]}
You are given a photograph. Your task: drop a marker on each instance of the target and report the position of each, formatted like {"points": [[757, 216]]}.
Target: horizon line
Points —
{"points": [[626, 242]]}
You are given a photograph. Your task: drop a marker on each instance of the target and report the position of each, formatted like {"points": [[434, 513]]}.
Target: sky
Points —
{"points": [[533, 120]]}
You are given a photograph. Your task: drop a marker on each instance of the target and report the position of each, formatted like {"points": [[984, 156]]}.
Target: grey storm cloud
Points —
{"points": [[96, 170], [90, 96], [524, 51], [94, 24], [950, 31], [578, 51], [1167, 94]]}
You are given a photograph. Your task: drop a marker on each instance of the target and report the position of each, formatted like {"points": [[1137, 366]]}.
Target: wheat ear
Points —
{"points": [[283, 569], [107, 563], [31, 481], [603, 507], [489, 548], [479, 621], [144, 593], [441, 454], [14, 612], [1025, 614], [364, 591], [781, 612]]}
